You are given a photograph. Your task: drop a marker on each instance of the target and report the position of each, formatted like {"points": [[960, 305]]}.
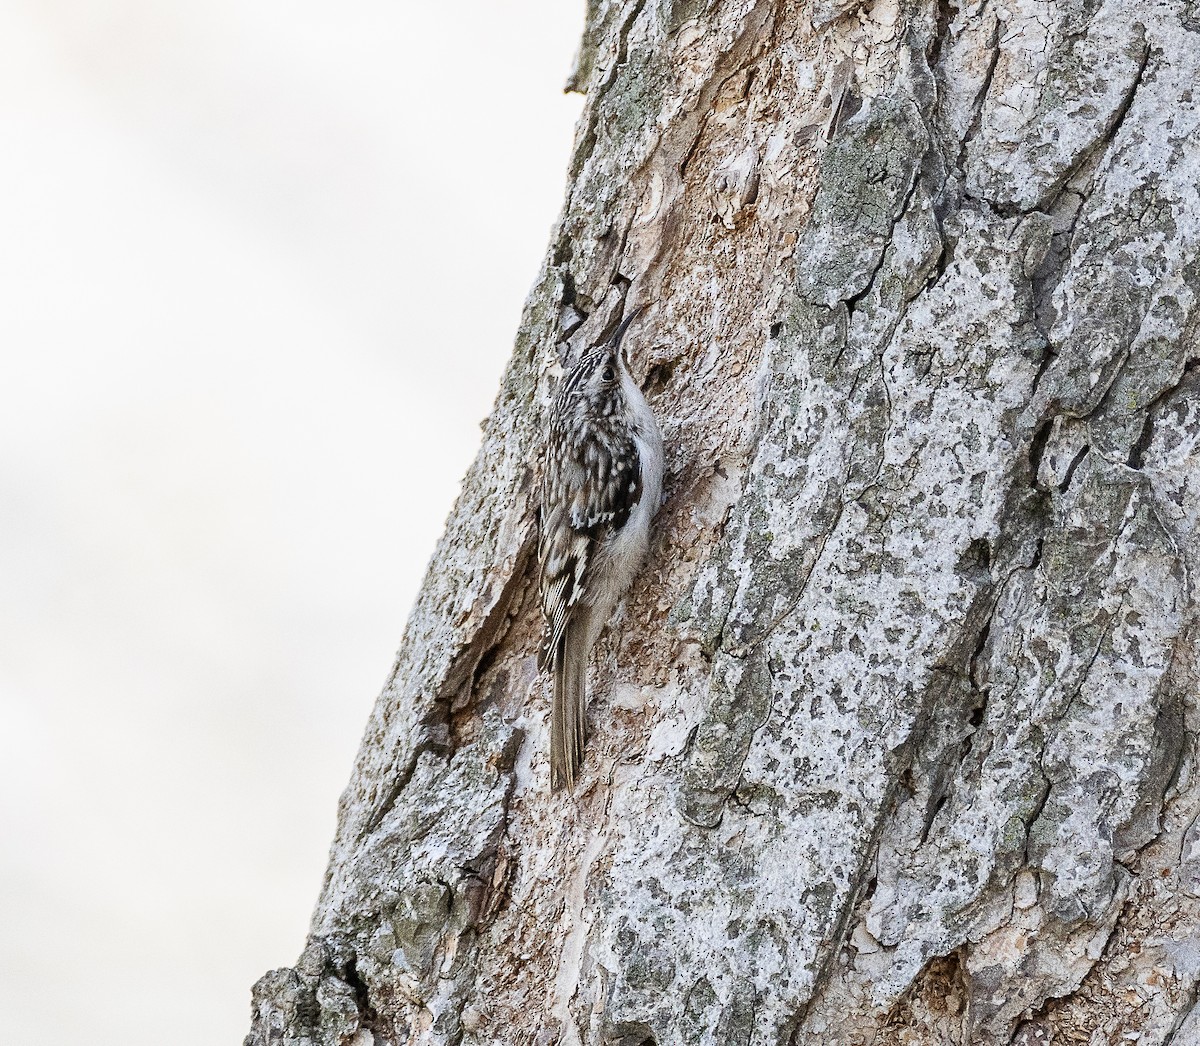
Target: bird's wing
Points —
{"points": [[585, 495]]}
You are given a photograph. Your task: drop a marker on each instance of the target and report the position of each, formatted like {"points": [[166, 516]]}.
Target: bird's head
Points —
{"points": [[597, 381]]}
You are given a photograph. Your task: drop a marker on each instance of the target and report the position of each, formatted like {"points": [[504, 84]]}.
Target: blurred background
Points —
{"points": [[261, 265]]}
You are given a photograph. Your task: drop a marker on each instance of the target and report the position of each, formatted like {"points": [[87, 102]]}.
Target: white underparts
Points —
{"points": [[620, 556]]}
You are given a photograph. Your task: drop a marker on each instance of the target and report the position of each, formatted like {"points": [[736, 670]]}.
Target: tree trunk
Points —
{"points": [[894, 741]]}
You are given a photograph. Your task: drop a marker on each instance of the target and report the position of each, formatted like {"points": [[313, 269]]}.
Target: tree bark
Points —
{"points": [[894, 741]]}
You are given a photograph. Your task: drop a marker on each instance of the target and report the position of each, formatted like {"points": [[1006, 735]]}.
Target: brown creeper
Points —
{"points": [[601, 485]]}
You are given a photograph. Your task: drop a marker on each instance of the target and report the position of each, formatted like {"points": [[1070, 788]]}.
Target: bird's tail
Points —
{"points": [[568, 713]]}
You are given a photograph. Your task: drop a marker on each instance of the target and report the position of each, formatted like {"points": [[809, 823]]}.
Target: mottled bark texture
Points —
{"points": [[895, 741]]}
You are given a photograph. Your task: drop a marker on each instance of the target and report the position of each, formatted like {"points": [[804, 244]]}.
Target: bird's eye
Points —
{"points": [[608, 374]]}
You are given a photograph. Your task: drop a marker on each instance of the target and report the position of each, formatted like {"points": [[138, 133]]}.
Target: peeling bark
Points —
{"points": [[896, 739]]}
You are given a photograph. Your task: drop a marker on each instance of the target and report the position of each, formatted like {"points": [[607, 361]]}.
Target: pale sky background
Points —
{"points": [[261, 265]]}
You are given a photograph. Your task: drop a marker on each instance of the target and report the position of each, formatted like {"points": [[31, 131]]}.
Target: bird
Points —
{"points": [[601, 487]]}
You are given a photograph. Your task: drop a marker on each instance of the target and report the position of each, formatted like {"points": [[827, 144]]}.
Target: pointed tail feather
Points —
{"points": [[568, 713]]}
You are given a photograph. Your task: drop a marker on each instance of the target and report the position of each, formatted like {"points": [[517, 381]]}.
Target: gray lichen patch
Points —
{"points": [[739, 702], [403, 913], [1130, 289], [866, 176], [1060, 637], [1085, 69]]}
